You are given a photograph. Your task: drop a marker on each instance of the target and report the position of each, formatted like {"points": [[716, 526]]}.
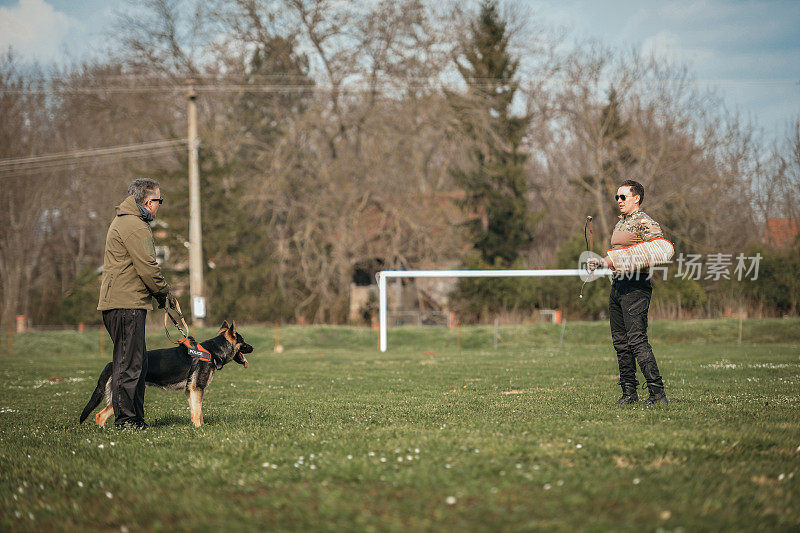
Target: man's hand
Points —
{"points": [[594, 263], [165, 300]]}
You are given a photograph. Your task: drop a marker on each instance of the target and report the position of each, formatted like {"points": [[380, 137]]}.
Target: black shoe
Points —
{"points": [[629, 394], [654, 383], [657, 398], [137, 425]]}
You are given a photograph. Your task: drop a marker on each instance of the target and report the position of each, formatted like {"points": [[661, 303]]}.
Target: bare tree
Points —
{"points": [[327, 124], [622, 116], [29, 191], [776, 179]]}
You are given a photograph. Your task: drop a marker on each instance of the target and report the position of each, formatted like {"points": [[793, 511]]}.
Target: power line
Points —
{"points": [[182, 77], [91, 152], [69, 164], [243, 77], [228, 88], [348, 88], [54, 162]]}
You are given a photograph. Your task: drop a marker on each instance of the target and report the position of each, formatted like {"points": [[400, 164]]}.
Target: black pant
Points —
{"points": [[627, 308], [126, 327]]}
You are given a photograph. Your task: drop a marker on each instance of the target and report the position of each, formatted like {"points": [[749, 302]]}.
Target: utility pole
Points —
{"points": [[198, 302]]}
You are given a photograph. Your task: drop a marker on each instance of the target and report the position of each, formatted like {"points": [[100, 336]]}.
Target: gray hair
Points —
{"points": [[141, 187]]}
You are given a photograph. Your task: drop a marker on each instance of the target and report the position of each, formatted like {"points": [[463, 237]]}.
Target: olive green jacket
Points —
{"points": [[131, 275]]}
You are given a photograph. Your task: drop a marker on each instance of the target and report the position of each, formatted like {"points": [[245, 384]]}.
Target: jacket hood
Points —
{"points": [[128, 207]]}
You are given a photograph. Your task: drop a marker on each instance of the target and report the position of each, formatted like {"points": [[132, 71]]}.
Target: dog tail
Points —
{"points": [[99, 392]]}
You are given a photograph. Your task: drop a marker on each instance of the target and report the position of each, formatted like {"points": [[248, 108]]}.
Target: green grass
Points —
{"points": [[523, 437]]}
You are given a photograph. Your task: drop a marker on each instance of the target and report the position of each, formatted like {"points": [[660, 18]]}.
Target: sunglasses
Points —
{"points": [[622, 197], [159, 200]]}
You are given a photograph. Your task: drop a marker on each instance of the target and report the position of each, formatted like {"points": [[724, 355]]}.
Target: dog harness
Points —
{"points": [[196, 349]]}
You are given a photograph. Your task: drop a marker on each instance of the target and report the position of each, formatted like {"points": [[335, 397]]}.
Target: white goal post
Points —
{"points": [[386, 274]]}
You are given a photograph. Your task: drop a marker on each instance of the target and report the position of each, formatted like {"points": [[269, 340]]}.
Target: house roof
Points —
{"points": [[781, 232]]}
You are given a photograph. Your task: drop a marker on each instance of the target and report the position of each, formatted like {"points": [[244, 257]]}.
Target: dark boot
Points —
{"points": [[629, 394], [653, 379], [657, 395]]}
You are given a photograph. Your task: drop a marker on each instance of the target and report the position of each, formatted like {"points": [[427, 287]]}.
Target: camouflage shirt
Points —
{"points": [[633, 229]]}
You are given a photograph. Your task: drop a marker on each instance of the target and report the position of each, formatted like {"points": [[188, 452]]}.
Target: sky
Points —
{"points": [[748, 50]]}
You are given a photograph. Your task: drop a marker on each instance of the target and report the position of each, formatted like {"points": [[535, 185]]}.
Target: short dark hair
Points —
{"points": [[636, 188], [141, 187]]}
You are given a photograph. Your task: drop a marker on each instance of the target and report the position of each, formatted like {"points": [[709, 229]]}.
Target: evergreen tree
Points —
{"points": [[264, 116], [499, 220], [241, 271], [495, 188]]}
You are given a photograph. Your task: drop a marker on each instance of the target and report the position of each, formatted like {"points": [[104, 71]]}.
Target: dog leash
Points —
{"points": [[196, 350], [172, 303], [589, 248]]}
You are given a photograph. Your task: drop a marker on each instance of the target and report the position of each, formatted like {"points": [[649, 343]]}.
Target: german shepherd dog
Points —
{"points": [[174, 369]]}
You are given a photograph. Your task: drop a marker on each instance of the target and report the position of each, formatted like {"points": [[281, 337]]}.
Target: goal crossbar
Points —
{"points": [[383, 275]]}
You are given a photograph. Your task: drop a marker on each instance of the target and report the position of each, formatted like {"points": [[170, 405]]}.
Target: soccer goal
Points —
{"points": [[386, 274]]}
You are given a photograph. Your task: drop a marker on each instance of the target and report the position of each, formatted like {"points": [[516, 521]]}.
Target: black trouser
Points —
{"points": [[126, 327], [627, 308]]}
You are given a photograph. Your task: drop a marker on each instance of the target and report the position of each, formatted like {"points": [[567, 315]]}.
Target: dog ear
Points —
{"points": [[224, 326], [233, 328], [230, 335]]}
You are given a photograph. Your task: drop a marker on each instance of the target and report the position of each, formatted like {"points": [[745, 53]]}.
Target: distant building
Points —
{"points": [[410, 301], [781, 232]]}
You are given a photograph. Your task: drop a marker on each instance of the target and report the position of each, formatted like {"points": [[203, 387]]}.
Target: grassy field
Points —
{"points": [[334, 435]]}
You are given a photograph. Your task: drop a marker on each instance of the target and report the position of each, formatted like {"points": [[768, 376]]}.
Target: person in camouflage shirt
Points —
{"points": [[631, 291], [636, 244]]}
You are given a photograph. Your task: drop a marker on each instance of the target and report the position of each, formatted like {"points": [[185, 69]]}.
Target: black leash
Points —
{"points": [[172, 303], [589, 247]]}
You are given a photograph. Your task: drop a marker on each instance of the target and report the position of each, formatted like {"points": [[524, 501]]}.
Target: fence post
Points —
{"points": [[741, 318], [278, 348], [496, 324], [382, 309]]}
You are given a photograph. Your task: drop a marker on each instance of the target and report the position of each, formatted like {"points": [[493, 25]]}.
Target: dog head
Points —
{"points": [[240, 347]]}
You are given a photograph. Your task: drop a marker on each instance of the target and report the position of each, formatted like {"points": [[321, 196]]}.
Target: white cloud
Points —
{"points": [[749, 51], [35, 30], [662, 44], [669, 45]]}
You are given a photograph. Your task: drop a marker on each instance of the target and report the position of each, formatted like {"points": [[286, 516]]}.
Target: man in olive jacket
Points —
{"points": [[131, 279]]}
